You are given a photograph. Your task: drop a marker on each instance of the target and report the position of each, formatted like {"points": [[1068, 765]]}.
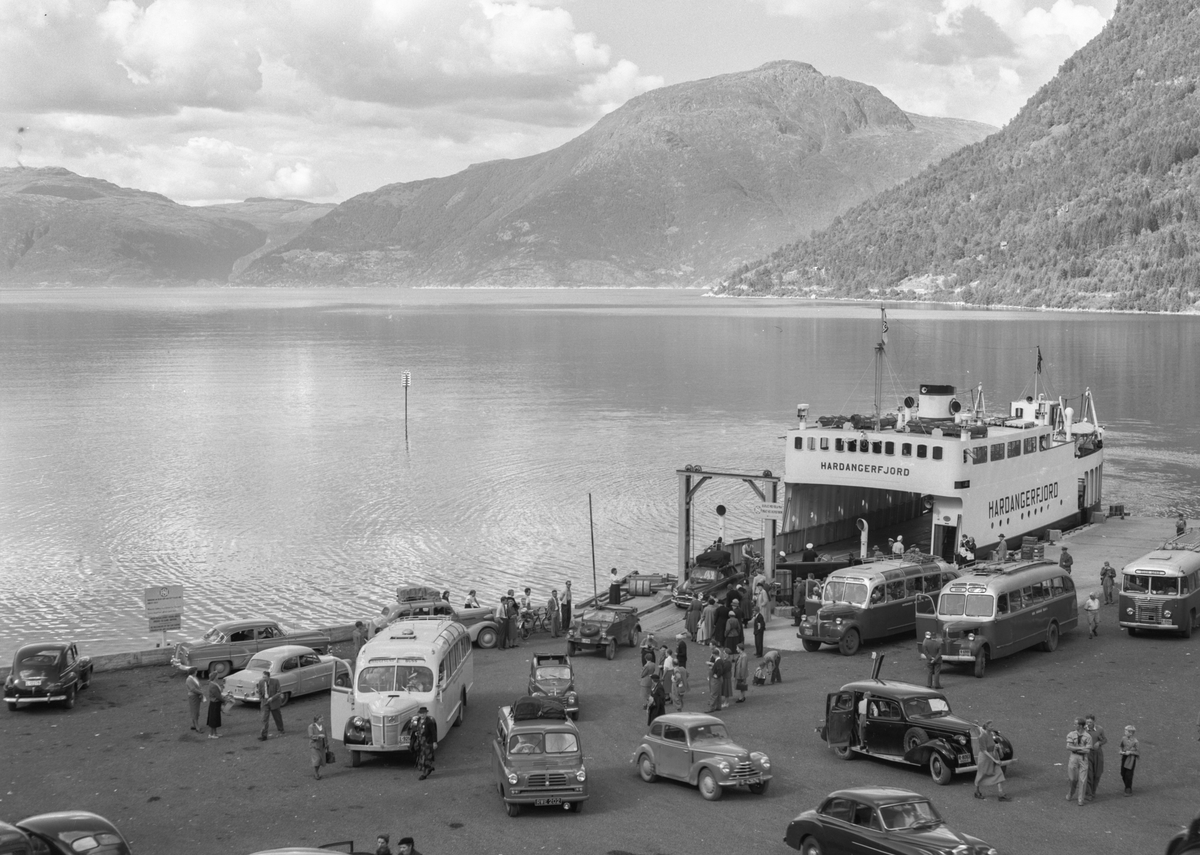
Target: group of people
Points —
{"points": [[724, 622], [406, 846], [1085, 765], [513, 610], [664, 676]]}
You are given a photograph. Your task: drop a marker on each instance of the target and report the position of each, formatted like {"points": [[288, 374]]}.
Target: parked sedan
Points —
{"points": [[879, 820], [47, 672], [696, 748], [299, 670], [1186, 841], [74, 832], [229, 646]]}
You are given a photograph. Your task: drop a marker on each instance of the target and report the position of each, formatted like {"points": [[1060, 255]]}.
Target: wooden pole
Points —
{"points": [[592, 531]]}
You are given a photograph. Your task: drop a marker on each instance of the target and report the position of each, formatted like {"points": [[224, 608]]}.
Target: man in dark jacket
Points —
{"points": [[720, 618], [931, 652], [270, 699]]}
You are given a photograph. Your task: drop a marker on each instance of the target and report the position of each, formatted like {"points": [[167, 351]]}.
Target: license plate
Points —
{"points": [[546, 802], [964, 758], [33, 682]]}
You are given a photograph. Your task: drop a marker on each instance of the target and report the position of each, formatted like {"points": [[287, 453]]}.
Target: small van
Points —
{"points": [[999, 609], [872, 600]]}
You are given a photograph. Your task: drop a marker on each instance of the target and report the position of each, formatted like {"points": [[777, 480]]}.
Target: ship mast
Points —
{"points": [[879, 349]]}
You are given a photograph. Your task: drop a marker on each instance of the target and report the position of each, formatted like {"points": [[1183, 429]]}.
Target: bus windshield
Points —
{"points": [[395, 678], [965, 605], [850, 591], [1161, 586]]}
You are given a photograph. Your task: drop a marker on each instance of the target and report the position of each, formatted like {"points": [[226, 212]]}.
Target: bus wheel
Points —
{"points": [[462, 706], [1187, 627], [981, 659], [848, 646], [811, 646], [1051, 642]]}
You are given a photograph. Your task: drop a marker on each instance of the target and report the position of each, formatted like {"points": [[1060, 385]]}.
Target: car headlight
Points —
{"points": [[724, 766], [960, 739], [971, 637], [512, 778], [572, 697], [1166, 614], [538, 693], [761, 759], [1129, 610], [581, 774]]}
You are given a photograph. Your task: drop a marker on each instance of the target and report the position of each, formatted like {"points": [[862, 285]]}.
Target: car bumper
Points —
{"points": [[539, 797], [824, 633], [180, 664], [10, 698], [745, 780]]}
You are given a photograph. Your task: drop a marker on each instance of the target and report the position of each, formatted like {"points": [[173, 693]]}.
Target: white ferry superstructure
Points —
{"points": [[1039, 467]]}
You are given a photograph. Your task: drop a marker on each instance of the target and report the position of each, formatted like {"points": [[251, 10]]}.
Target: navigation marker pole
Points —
{"points": [[405, 381], [592, 532]]}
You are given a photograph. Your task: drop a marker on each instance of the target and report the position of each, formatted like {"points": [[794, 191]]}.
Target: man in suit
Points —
{"points": [[270, 699]]}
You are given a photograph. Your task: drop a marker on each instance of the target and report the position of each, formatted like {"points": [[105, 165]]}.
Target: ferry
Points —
{"points": [[1039, 466]]}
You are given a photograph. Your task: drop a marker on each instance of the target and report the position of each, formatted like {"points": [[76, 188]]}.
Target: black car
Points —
{"points": [[879, 820], [74, 832], [1186, 841], [47, 672], [906, 724], [551, 675], [712, 574]]}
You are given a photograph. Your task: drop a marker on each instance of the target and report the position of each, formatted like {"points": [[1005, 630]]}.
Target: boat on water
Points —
{"points": [[944, 469]]}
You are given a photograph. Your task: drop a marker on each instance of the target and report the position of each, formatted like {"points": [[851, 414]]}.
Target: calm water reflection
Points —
{"points": [[252, 445]]}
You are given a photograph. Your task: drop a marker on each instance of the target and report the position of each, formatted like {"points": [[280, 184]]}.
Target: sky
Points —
{"points": [[210, 101]]}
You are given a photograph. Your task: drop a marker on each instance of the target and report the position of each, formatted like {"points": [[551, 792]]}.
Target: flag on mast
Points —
{"points": [[883, 312], [1039, 367]]}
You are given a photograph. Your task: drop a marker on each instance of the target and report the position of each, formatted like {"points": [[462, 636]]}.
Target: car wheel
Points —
{"points": [[570, 648], [810, 645], [759, 788], [708, 786], [512, 810], [913, 737], [848, 646], [610, 652], [69, 702], [217, 670], [939, 770], [576, 807], [486, 639], [646, 769], [284, 698], [86, 679], [355, 758], [1051, 642], [342, 680], [981, 659], [843, 752], [810, 846], [12, 706]]}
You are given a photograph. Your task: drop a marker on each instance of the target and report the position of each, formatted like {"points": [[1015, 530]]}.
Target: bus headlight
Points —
{"points": [[971, 637], [838, 621], [572, 697], [512, 778], [1129, 610], [1166, 614], [581, 775]]}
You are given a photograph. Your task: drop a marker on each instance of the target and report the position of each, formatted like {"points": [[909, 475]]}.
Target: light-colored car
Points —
{"points": [[420, 601], [229, 646], [696, 748], [299, 670]]}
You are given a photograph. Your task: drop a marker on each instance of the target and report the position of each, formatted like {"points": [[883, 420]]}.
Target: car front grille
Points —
{"points": [[743, 771], [547, 779]]}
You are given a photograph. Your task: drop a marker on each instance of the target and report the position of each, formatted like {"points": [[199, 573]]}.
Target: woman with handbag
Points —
{"points": [[214, 691], [317, 746]]}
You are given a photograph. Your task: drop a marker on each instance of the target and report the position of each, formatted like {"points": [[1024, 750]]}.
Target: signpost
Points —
{"points": [[164, 609], [771, 511]]}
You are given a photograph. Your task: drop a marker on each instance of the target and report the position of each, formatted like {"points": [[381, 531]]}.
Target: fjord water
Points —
{"points": [[252, 445]]}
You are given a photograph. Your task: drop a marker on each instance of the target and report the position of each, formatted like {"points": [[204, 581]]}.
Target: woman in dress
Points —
{"points": [[989, 771], [424, 741], [693, 616], [214, 692], [657, 704], [649, 669], [1129, 757], [741, 673], [317, 745]]}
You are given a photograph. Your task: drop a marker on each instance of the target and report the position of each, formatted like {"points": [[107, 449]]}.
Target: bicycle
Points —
{"points": [[534, 620]]}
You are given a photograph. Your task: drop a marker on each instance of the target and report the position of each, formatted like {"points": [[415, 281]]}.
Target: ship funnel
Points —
{"points": [[937, 402], [1068, 418]]}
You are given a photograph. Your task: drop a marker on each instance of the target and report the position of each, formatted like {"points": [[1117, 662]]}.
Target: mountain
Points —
{"points": [[674, 188], [1086, 199], [279, 220], [60, 228]]}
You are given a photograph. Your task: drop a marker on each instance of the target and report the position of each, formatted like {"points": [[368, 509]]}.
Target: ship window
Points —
{"points": [[812, 444], [906, 449], [799, 444], [877, 448], [937, 452], [979, 454], [922, 451], [1030, 445], [889, 447], [839, 444], [1043, 442], [998, 451], [1014, 448], [863, 446], [1019, 412], [824, 443], [852, 445]]}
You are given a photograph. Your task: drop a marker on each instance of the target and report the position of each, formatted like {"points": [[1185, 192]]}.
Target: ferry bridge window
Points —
{"points": [[1031, 445], [824, 443], [921, 451], [889, 447], [906, 449], [1014, 448], [1163, 586], [863, 446], [937, 452], [852, 445], [998, 451], [799, 443]]}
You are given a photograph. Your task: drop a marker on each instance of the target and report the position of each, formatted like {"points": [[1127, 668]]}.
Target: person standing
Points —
{"points": [[511, 615], [931, 652], [741, 672], [762, 600], [692, 622], [668, 665], [358, 638], [720, 620], [760, 628], [708, 619], [1065, 560], [1129, 757], [679, 685], [657, 703], [317, 746], [733, 630], [1079, 745], [554, 613], [1108, 578], [566, 606], [1180, 525], [423, 741], [649, 668], [1092, 608], [1000, 553], [214, 691], [472, 601], [407, 846], [989, 771], [380, 621], [1096, 758], [809, 554], [195, 694], [270, 699], [898, 546]]}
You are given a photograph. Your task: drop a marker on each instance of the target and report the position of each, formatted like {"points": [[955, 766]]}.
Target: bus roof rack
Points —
{"points": [[1189, 540]]}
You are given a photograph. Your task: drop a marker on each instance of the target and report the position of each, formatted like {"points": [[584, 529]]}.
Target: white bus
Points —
{"points": [[412, 663]]}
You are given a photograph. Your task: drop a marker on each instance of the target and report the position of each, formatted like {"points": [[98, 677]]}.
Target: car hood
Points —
{"points": [[939, 837], [730, 750], [474, 615], [945, 722], [959, 627], [537, 762], [395, 705]]}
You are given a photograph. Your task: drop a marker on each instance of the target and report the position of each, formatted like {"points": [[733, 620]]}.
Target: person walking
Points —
{"points": [[566, 606], [1108, 578], [554, 613], [270, 699], [1096, 758], [1092, 608], [760, 627], [1129, 757], [195, 694], [423, 741], [358, 638], [679, 685], [1180, 525], [1065, 560], [989, 772], [657, 703], [317, 746], [1079, 745], [931, 652], [741, 673], [214, 691]]}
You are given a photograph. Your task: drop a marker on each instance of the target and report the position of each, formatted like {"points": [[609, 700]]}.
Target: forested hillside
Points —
{"points": [[1087, 199]]}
